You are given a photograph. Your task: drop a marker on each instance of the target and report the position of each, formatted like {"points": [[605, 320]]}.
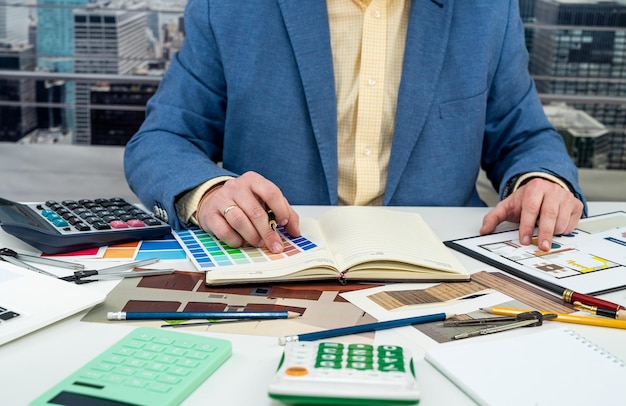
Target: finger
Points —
{"points": [[219, 226], [529, 206], [260, 220], [575, 216], [292, 226], [569, 215], [546, 224], [491, 220]]}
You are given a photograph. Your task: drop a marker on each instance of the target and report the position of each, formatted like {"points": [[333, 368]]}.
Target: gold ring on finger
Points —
{"points": [[229, 208]]}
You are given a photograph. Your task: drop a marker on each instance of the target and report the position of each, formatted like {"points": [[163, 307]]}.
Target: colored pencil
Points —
{"points": [[199, 315], [363, 328]]}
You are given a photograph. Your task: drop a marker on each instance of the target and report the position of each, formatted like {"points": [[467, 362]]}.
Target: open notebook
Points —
{"points": [[30, 301], [546, 367]]}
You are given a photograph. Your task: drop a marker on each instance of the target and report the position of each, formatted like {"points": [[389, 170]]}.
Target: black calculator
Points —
{"points": [[70, 225]]}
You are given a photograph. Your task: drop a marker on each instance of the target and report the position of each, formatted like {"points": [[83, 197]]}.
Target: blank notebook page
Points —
{"points": [[547, 367]]}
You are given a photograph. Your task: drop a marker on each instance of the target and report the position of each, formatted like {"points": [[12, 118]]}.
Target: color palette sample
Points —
{"points": [[165, 248], [207, 252]]}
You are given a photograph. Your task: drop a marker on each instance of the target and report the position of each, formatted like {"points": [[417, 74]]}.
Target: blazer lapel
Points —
{"points": [[426, 43], [307, 27]]}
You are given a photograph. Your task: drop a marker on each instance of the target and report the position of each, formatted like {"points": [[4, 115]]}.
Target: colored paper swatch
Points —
{"points": [[206, 251], [166, 248]]}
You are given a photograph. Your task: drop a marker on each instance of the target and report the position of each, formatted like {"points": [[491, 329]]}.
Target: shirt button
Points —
{"points": [[371, 81], [367, 151], [376, 14]]}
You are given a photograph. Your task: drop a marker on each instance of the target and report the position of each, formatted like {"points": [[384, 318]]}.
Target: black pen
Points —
{"points": [[271, 217], [614, 314]]}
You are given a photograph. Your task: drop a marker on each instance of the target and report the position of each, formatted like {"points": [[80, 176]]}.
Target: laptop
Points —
{"points": [[30, 300]]}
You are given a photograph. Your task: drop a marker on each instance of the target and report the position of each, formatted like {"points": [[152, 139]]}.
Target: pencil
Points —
{"points": [[198, 315], [363, 328], [570, 297], [565, 318], [614, 314]]}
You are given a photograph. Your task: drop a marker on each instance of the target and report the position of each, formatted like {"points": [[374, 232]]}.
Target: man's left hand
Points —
{"points": [[539, 202]]}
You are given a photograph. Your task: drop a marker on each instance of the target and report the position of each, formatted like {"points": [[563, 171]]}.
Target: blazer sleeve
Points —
{"points": [[180, 142]]}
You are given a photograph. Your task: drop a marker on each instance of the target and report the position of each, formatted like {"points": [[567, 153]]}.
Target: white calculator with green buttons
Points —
{"points": [[333, 373], [149, 366]]}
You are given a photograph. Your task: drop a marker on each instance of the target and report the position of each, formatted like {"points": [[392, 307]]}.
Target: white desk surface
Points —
{"points": [[33, 364]]}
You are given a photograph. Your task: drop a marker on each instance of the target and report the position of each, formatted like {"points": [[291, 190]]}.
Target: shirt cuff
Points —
{"points": [[187, 204], [527, 176]]}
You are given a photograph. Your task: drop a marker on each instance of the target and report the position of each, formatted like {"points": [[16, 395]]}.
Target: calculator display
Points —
{"points": [[17, 213], [78, 399]]}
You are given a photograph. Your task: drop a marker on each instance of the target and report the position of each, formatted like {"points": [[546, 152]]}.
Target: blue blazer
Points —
{"points": [[253, 88]]}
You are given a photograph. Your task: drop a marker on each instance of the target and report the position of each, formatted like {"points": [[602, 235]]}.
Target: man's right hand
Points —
{"points": [[237, 212]]}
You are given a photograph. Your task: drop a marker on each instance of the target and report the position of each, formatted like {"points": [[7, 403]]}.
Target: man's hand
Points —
{"points": [[237, 212], [538, 202]]}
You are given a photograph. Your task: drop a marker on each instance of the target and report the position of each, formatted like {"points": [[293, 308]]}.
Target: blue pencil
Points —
{"points": [[363, 328], [198, 315]]}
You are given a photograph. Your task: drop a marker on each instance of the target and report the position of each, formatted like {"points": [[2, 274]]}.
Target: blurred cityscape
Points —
{"points": [[81, 71]]}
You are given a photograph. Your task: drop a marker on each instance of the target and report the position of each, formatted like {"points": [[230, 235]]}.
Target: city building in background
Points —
{"points": [[586, 139], [14, 23], [99, 61], [54, 39], [17, 97], [579, 49], [116, 126], [106, 41]]}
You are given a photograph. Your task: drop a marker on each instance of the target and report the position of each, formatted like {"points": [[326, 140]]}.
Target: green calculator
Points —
{"points": [[149, 366], [332, 373]]}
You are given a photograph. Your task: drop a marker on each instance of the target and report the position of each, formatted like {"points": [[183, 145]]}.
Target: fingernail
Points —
{"points": [[277, 247], [284, 222], [545, 245], [525, 240]]}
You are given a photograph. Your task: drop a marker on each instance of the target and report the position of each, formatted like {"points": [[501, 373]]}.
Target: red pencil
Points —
{"points": [[570, 297]]}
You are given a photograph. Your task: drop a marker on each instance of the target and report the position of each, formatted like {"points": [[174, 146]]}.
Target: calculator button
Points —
{"points": [[82, 227], [166, 359], [99, 225], [296, 371], [118, 224], [169, 379], [136, 383], [124, 371], [115, 379], [179, 371], [156, 366], [159, 387], [59, 222], [179, 352], [151, 222], [91, 374], [200, 355], [103, 366]]}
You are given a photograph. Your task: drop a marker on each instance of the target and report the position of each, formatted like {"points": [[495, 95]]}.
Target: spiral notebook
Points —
{"points": [[547, 367]]}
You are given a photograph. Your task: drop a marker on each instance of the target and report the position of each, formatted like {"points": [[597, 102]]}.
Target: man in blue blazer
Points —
{"points": [[246, 117]]}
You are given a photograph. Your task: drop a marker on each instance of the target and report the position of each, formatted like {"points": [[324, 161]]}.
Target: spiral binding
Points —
{"points": [[601, 351]]}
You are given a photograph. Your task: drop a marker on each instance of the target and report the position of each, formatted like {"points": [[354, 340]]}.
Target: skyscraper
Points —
{"points": [[55, 49], [17, 114], [110, 38], [14, 22], [579, 48]]}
